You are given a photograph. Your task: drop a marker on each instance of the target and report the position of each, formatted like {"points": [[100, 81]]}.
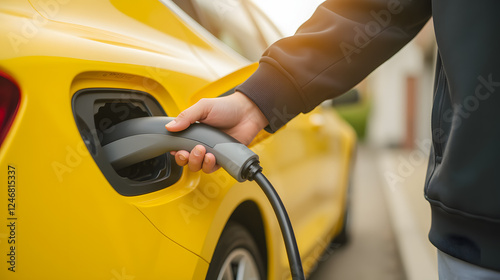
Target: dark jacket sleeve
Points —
{"points": [[334, 50]]}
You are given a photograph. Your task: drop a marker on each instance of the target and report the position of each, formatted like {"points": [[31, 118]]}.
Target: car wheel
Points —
{"points": [[236, 256]]}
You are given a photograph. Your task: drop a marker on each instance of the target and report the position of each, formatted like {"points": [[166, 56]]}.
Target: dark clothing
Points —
{"points": [[345, 40]]}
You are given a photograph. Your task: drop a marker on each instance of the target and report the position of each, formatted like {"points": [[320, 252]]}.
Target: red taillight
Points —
{"points": [[10, 95]]}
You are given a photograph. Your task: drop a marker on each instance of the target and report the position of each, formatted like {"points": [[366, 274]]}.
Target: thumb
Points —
{"points": [[187, 117], [176, 125]]}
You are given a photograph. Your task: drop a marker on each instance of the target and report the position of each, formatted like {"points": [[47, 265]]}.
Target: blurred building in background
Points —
{"points": [[402, 95]]}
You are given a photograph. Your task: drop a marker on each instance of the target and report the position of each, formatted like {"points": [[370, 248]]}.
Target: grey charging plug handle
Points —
{"points": [[139, 139]]}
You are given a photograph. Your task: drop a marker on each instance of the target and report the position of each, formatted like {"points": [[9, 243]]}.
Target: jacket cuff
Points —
{"points": [[275, 95]]}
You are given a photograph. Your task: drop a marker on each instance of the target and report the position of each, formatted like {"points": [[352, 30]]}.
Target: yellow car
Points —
{"points": [[70, 70]]}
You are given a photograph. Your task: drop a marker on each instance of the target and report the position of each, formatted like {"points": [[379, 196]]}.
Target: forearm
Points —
{"points": [[334, 50]]}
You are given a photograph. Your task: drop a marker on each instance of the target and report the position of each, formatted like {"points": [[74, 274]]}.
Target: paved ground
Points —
{"points": [[389, 222]]}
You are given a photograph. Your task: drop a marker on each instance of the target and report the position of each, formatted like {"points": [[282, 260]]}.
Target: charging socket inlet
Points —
{"points": [[96, 111]]}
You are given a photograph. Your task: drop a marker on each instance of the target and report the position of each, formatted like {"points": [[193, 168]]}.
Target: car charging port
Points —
{"points": [[110, 113], [96, 112]]}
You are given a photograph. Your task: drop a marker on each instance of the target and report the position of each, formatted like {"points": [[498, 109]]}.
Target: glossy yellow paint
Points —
{"points": [[70, 223]]}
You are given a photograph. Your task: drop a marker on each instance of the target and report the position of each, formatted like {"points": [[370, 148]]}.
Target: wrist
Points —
{"points": [[252, 111]]}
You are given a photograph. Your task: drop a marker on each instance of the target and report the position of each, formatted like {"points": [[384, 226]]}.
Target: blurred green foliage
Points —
{"points": [[356, 115]]}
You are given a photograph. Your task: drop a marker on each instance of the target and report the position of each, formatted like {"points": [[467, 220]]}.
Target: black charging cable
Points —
{"points": [[254, 172]]}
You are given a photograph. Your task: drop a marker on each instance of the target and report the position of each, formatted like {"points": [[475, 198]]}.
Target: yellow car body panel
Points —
{"points": [[69, 222]]}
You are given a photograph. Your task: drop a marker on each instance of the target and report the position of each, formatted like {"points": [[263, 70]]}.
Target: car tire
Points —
{"points": [[343, 237], [236, 256]]}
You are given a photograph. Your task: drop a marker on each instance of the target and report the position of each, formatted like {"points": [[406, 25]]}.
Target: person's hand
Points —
{"points": [[235, 115]]}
